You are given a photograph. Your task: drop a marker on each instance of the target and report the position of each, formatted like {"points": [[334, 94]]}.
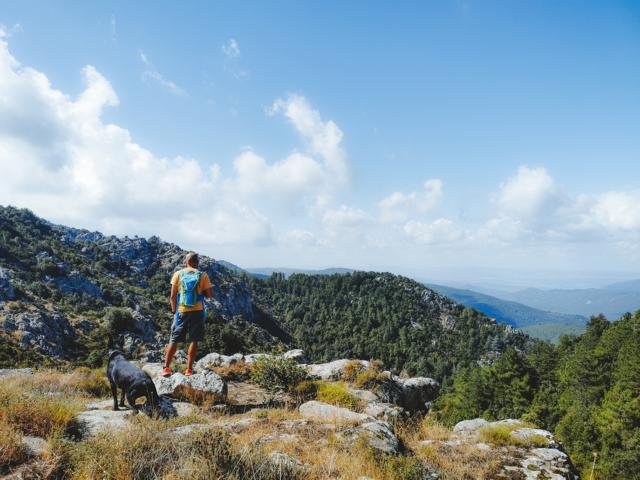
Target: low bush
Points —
{"points": [[306, 390], [352, 370], [11, 448], [273, 373], [337, 394]]}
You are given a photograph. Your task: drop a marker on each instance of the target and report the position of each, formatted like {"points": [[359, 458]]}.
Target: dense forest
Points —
{"points": [[586, 390], [383, 316]]}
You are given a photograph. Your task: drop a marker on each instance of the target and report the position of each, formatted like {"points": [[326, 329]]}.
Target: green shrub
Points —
{"points": [[337, 394], [306, 390], [274, 373], [118, 320], [352, 370]]}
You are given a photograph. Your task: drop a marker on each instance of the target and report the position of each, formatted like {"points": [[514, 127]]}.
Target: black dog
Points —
{"points": [[133, 381]]}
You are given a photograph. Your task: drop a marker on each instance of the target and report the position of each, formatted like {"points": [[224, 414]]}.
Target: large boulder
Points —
{"points": [[470, 426], [385, 411], [298, 355], [413, 394], [217, 360], [203, 386], [377, 434], [331, 370], [325, 413]]}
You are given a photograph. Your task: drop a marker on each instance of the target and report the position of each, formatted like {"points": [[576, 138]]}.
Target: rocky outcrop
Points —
{"points": [[92, 422], [48, 332], [76, 283], [7, 292]]}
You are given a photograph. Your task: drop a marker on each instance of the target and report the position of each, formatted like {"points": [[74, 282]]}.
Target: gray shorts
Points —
{"points": [[188, 322]]}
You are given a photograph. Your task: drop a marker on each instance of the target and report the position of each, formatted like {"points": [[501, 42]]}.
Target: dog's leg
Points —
{"points": [[114, 392], [132, 402], [122, 398]]}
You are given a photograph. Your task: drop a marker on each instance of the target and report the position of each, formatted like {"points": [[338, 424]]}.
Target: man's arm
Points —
{"points": [[208, 293], [173, 297]]}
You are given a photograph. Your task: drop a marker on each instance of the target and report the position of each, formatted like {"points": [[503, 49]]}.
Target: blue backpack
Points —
{"points": [[188, 288]]}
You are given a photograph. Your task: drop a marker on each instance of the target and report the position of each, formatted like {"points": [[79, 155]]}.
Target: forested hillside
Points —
{"points": [[587, 390], [383, 316]]}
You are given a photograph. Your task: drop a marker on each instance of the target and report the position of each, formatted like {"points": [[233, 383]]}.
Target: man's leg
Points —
{"points": [[191, 354], [170, 351]]}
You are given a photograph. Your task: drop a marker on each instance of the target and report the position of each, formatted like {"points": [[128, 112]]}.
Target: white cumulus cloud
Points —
{"points": [[399, 206], [59, 158]]}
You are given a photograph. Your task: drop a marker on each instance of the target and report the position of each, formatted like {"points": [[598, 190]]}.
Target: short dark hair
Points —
{"points": [[191, 258]]}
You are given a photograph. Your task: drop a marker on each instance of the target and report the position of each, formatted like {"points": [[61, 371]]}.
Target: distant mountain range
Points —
{"points": [[267, 271], [612, 301], [536, 322]]}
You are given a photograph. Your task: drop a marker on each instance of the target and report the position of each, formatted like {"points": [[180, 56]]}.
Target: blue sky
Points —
{"points": [[419, 137]]}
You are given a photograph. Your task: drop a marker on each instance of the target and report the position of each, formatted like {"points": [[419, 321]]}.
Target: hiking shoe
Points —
{"points": [[166, 372], [188, 372]]}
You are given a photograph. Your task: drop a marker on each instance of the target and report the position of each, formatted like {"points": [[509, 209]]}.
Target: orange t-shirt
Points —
{"points": [[203, 285]]}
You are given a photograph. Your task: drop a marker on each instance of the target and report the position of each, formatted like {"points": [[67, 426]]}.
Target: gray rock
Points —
{"points": [[279, 437], [385, 411], [217, 360], [251, 358], [34, 446], [298, 355], [378, 435], [12, 372], [285, 462], [77, 283], [92, 422], [417, 392], [331, 370], [325, 413], [470, 426], [203, 385], [47, 332], [528, 434], [364, 395], [100, 405], [7, 292]]}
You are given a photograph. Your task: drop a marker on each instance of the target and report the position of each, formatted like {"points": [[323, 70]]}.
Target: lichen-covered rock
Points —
{"points": [[377, 434], [534, 434], [298, 355], [385, 411], [323, 412], [34, 446], [216, 360], [470, 426], [205, 385], [413, 394], [364, 395], [331, 370]]}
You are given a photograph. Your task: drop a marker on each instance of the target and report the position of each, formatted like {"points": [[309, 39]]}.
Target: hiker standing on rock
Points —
{"points": [[189, 288]]}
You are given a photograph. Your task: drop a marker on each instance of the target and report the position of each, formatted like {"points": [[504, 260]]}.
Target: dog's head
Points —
{"points": [[114, 353]]}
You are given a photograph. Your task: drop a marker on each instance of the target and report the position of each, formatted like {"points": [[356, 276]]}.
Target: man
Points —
{"points": [[189, 288]]}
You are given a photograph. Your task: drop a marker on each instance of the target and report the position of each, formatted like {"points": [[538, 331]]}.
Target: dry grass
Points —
{"points": [[145, 452], [11, 448], [81, 382], [35, 413], [501, 435], [236, 372], [461, 462]]}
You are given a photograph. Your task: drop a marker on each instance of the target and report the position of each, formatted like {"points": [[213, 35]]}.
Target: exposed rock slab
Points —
{"points": [[377, 434], [323, 412], [92, 422], [331, 370]]}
